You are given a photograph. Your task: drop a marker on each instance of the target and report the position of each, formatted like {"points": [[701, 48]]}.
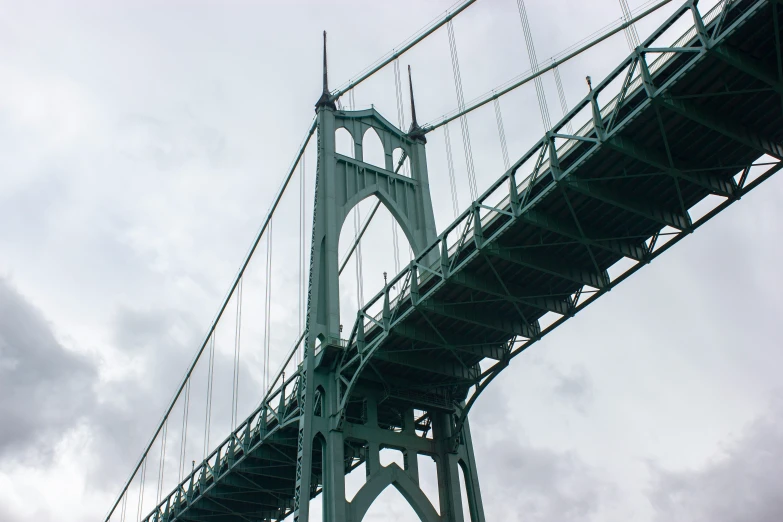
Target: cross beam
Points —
{"points": [[652, 157], [523, 257]]}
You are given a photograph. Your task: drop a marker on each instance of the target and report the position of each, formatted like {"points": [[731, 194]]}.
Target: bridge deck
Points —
{"points": [[522, 261]]}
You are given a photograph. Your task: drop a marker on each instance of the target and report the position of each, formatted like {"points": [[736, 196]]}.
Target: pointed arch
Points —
{"points": [[373, 151], [397, 213], [392, 475], [344, 142], [400, 156]]}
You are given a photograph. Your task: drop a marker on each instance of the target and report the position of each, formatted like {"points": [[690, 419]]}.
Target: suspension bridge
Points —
{"points": [[677, 132]]}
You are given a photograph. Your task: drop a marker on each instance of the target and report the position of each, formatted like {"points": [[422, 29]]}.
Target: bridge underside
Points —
{"points": [[634, 182]]}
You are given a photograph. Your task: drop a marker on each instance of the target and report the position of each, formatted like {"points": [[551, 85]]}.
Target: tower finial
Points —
{"points": [[325, 99], [415, 130]]}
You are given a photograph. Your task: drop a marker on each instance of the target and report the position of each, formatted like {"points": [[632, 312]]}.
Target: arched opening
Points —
{"points": [[317, 345], [401, 163], [372, 149], [318, 401], [383, 248], [428, 479], [355, 480], [391, 505], [465, 494], [391, 455], [344, 142], [317, 505]]}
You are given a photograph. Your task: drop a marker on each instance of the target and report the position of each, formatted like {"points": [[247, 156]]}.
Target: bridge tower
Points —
{"points": [[333, 438]]}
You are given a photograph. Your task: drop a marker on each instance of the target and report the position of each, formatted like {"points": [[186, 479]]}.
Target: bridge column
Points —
{"points": [[473, 492], [450, 464], [334, 478]]}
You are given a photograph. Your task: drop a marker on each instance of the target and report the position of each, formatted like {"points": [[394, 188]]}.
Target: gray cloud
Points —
{"points": [[540, 485], [743, 484], [141, 149], [574, 386], [46, 388]]}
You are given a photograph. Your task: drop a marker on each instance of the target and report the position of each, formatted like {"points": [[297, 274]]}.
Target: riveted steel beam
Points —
{"points": [[654, 158], [490, 350], [748, 64], [490, 286], [528, 259], [566, 229], [605, 194], [730, 129], [477, 317]]}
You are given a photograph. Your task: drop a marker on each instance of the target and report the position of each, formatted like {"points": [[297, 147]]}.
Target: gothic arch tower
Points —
{"points": [[332, 440]]}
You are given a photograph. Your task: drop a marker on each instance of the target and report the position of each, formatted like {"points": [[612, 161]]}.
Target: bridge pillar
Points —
{"points": [[341, 183], [450, 464]]}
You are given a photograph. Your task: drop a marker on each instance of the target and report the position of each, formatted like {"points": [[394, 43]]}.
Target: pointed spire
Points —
{"points": [[325, 99], [414, 123], [415, 130]]}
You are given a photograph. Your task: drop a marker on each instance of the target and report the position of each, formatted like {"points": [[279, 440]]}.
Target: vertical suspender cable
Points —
{"points": [[268, 306], [184, 443], [237, 342], [302, 274], [161, 466], [141, 490], [561, 95], [124, 508], [501, 134], [210, 378], [463, 120], [531, 51], [400, 107], [357, 218], [406, 171], [631, 35], [450, 164]]}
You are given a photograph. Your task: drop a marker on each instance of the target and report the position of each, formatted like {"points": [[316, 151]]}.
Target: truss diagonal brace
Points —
{"points": [[748, 65], [490, 287], [607, 195], [472, 316], [655, 159], [547, 266], [490, 350], [616, 246], [732, 130]]}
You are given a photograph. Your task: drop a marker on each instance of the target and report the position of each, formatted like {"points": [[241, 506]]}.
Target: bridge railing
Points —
{"points": [[494, 205], [277, 410], [495, 202]]}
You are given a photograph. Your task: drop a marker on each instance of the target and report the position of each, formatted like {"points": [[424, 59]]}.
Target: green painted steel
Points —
{"points": [[572, 218]]}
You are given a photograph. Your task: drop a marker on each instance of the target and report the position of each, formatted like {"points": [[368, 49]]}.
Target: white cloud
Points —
{"points": [[141, 146]]}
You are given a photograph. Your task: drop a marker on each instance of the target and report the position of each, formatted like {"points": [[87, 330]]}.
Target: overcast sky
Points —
{"points": [[141, 144]]}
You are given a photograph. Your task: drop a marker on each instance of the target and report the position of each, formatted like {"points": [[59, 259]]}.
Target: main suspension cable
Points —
{"points": [[222, 309], [358, 237], [359, 272], [526, 77]]}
